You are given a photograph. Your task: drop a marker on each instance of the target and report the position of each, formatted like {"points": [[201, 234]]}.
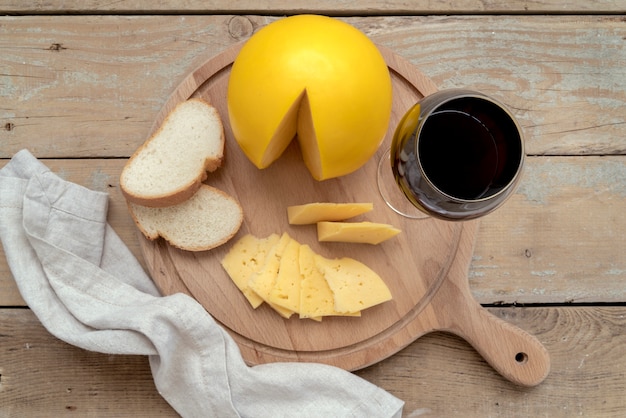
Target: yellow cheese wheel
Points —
{"points": [[315, 76]]}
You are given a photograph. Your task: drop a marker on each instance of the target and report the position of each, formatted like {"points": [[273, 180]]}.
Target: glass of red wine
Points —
{"points": [[455, 155]]}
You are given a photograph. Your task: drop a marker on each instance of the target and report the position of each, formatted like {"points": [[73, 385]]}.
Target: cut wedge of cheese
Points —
{"points": [[355, 286], [356, 232], [246, 257], [311, 213]]}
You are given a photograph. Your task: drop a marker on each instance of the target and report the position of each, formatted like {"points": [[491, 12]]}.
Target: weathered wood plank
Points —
{"points": [[566, 90], [41, 376], [330, 7], [561, 238], [91, 86], [438, 375]]}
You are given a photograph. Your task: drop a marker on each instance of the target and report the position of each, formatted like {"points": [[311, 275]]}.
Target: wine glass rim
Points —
{"points": [[456, 94]]}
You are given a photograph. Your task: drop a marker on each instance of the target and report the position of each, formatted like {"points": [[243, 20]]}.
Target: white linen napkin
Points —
{"points": [[87, 289]]}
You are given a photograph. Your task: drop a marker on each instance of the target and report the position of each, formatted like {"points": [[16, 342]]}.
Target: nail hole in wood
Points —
{"points": [[521, 358]]}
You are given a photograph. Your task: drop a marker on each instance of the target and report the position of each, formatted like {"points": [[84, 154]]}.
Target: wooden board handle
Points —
{"points": [[515, 354], [511, 351]]}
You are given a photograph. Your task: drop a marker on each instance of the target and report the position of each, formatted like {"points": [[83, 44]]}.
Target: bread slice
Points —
{"points": [[206, 220], [170, 166]]}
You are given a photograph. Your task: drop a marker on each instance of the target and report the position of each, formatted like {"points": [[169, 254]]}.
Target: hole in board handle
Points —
{"points": [[521, 358]]}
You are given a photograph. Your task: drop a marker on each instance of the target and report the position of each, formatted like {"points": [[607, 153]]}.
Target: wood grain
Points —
{"points": [[438, 375], [91, 86], [442, 379], [41, 376], [560, 239], [330, 7]]}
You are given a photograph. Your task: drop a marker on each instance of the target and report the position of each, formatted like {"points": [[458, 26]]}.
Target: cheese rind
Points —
{"points": [[355, 286], [311, 213], [355, 232], [245, 258]]}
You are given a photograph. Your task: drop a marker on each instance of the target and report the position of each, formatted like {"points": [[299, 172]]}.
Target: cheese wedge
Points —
{"points": [[355, 286], [286, 290], [262, 281], [245, 258], [356, 232], [321, 211]]}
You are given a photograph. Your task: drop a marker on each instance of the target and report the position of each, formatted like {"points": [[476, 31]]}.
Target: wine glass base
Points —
{"points": [[391, 193]]}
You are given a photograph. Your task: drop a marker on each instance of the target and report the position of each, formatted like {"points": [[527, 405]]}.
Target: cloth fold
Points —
{"points": [[87, 289]]}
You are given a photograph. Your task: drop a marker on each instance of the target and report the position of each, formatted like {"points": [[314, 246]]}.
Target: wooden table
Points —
{"points": [[82, 81]]}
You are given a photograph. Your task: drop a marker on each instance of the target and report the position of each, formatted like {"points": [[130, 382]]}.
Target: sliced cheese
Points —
{"points": [[245, 258], [357, 232], [355, 286], [292, 278], [284, 312], [316, 298], [286, 290], [262, 281], [315, 212]]}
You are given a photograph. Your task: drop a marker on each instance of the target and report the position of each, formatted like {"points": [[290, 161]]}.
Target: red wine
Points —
{"points": [[458, 154]]}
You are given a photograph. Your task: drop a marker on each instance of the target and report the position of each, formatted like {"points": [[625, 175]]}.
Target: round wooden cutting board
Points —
{"points": [[425, 266]]}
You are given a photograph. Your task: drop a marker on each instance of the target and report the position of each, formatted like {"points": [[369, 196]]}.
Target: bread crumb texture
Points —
{"points": [[206, 220]]}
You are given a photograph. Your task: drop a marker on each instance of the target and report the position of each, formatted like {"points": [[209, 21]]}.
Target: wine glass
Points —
{"points": [[455, 155]]}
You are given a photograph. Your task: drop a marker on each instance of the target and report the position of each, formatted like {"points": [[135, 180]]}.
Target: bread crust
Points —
{"points": [[174, 243], [179, 196], [184, 192]]}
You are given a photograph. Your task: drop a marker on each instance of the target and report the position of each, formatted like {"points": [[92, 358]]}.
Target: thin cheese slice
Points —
{"points": [[315, 212], [286, 290], [316, 298], [355, 232], [292, 278], [284, 312], [355, 286], [262, 281], [245, 258]]}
